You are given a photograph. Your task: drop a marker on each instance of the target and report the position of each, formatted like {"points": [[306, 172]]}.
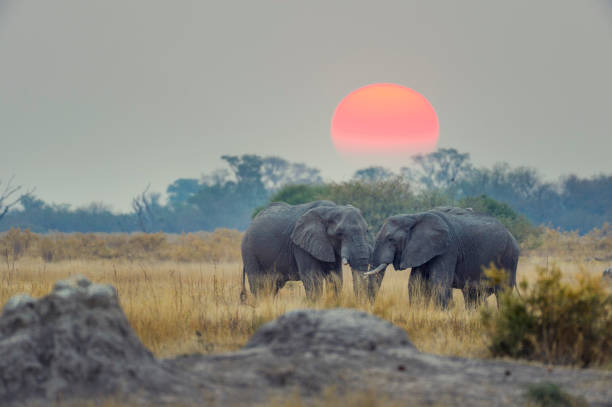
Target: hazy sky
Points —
{"points": [[99, 98]]}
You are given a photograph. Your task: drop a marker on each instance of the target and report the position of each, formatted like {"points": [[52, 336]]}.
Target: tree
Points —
{"points": [[181, 190], [377, 200], [300, 173], [274, 172], [149, 212], [7, 197], [372, 174], [246, 168], [440, 169]]}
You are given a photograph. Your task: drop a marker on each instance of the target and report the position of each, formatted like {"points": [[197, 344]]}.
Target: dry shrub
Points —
{"points": [[554, 321], [595, 245], [222, 245], [15, 243]]}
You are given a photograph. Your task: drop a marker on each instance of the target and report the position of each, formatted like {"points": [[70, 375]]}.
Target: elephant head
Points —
{"points": [[333, 233], [408, 241]]}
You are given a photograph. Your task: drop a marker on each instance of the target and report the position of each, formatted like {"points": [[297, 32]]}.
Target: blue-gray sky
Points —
{"points": [[100, 98]]}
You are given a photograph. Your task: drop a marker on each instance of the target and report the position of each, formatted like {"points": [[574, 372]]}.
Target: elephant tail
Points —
{"points": [[243, 293], [517, 291]]}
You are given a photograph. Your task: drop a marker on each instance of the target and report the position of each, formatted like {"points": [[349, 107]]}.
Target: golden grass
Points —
{"points": [[177, 308]]}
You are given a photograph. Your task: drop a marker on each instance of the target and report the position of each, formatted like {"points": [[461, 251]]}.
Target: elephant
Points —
{"points": [[307, 242], [447, 248]]}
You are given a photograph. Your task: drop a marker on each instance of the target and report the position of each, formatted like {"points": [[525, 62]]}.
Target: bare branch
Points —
{"points": [[5, 202]]}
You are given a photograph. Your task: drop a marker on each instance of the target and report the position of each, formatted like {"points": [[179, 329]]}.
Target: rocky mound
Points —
{"points": [[76, 343], [328, 331]]}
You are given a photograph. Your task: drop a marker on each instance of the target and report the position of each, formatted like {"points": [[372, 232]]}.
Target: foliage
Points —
{"points": [[594, 245], [439, 169], [227, 197], [550, 395], [517, 224], [572, 204], [373, 174], [295, 194], [376, 200], [181, 190], [382, 199], [554, 321]]}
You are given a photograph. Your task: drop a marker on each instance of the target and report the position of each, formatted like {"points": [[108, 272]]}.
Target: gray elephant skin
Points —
{"points": [[446, 248], [308, 243]]}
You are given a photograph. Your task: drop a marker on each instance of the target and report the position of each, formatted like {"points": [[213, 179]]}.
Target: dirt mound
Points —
{"points": [[328, 330], [76, 344]]}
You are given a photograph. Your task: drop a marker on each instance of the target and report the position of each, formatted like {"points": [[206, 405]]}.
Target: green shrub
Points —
{"points": [[554, 321], [377, 200], [550, 395]]}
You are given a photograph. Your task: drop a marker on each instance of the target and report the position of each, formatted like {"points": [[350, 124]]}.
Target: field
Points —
{"points": [[179, 307]]}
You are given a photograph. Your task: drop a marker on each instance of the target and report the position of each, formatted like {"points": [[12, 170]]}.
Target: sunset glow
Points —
{"points": [[384, 118]]}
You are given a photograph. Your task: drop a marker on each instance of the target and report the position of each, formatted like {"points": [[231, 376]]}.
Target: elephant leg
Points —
{"points": [[335, 281], [473, 297], [311, 273], [264, 282], [442, 270], [374, 283], [419, 285], [313, 285]]}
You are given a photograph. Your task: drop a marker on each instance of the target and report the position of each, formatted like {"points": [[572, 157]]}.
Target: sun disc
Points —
{"points": [[384, 118]]}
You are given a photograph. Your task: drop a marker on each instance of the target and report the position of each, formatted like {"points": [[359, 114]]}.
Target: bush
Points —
{"points": [[550, 395], [554, 321], [15, 243], [377, 200]]}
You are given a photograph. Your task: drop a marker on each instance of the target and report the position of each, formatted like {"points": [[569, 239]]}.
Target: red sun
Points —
{"points": [[385, 118]]}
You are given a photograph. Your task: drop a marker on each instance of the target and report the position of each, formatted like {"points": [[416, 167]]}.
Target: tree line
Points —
{"points": [[228, 197]]}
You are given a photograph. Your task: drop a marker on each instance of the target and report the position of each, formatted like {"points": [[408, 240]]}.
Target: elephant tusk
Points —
{"points": [[376, 270], [344, 261]]}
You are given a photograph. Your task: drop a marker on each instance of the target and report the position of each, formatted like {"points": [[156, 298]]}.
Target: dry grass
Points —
{"points": [[182, 293], [178, 307]]}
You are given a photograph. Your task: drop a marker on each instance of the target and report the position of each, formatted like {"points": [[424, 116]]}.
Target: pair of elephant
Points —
{"points": [[445, 247]]}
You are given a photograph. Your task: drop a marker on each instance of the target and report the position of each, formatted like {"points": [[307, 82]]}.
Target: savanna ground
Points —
{"points": [[181, 294], [179, 303]]}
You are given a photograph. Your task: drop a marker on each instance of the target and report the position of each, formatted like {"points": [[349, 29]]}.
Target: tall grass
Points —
{"points": [[178, 307], [181, 293]]}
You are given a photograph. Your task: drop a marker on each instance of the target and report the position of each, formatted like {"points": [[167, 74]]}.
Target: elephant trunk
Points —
{"points": [[356, 255]]}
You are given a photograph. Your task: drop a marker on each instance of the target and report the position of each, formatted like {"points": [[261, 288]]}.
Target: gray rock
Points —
{"points": [[18, 301], [76, 344]]}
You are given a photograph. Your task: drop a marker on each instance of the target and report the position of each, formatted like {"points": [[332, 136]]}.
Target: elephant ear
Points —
{"points": [[310, 234], [429, 237]]}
